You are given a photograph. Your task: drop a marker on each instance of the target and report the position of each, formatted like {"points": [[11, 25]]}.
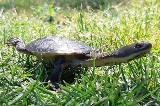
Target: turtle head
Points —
{"points": [[134, 51], [14, 41], [19, 44]]}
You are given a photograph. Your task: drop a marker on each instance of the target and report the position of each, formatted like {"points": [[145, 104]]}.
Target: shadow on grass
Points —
{"points": [[79, 4], [94, 4]]}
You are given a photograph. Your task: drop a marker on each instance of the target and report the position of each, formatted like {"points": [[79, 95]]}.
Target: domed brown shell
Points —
{"points": [[53, 46]]}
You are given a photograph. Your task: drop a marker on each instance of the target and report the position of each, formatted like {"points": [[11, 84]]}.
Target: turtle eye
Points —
{"points": [[16, 42], [138, 45]]}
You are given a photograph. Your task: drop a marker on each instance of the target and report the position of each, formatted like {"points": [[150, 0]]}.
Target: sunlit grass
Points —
{"points": [[137, 82]]}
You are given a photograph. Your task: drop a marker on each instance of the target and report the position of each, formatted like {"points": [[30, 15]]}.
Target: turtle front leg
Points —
{"points": [[56, 72]]}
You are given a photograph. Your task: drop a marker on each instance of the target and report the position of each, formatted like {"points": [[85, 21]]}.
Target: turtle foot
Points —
{"points": [[54, 86]]}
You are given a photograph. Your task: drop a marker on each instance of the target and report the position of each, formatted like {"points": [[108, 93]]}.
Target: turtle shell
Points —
{"points": [[53, 46]]}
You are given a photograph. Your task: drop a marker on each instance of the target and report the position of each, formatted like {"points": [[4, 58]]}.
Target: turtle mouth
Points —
{"points": [[143, 54], [10, 44]]}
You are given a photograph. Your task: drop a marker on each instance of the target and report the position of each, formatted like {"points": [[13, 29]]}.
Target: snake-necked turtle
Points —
{"points": [[63, 52]]}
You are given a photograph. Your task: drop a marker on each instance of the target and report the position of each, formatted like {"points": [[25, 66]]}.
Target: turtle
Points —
{"points": [[63, 52]]}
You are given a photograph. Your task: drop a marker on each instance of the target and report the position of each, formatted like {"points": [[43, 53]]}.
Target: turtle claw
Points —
{"points": [[54, 86]]}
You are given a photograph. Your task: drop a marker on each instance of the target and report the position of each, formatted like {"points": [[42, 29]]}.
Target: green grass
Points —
{"points": [[23, 81]]}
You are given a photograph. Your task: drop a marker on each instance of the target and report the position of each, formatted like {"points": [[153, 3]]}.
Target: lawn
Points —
{"points": [[102, 24]]}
